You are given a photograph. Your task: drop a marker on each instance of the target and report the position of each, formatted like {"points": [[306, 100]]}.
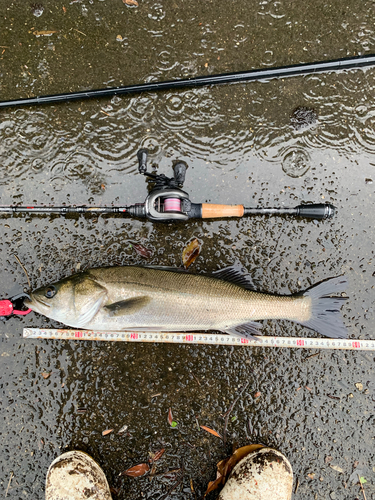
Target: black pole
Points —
{"points": [[251, 75]]}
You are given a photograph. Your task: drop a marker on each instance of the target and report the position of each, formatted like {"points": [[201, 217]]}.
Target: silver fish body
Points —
{"points": [[141, 298]]}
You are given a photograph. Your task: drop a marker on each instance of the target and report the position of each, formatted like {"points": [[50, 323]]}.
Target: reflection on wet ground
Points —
{"points": [[244, 143]]}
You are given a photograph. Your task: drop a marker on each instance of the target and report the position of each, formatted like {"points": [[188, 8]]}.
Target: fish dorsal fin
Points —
{"points": [[128, 306], [167, 268], [237, 275]]}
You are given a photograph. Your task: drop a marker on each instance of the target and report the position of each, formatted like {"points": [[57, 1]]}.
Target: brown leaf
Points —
{"points": [[46, 374], [107, 431], [311, 475], [226, 468], [131, 2], [213, 485], [44, 33], [191, 252], [137, 470], [337, 468], [210, 431], [144, 252], [158, 454], [257, 394], [170, 416]]}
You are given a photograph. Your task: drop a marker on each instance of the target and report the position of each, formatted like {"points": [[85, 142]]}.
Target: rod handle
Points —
{"points": [[212, 211]]}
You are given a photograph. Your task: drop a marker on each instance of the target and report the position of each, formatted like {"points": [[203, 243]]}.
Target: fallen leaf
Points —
{"points": [[64, 9], [44, 33], [257, 394], [157, 455], [137, 470], [211, 431], [144, 252], [119, 38], [191, 252], [225, 467], [213, 485], [359, 386], [107, 431], [328, 459], [131, 2], [123, 429], [170, 416], [174, 424], [337, 468], [311, 475], [362, 480], [46, 374]]}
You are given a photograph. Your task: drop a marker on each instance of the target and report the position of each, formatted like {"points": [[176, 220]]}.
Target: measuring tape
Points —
{"points": [[199, 338]]}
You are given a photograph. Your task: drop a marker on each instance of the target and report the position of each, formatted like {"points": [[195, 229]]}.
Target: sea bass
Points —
{"points": [[155, 299]]}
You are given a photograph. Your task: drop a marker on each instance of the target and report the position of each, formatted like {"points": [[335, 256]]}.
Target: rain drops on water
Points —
{"points": [[296, 163]]}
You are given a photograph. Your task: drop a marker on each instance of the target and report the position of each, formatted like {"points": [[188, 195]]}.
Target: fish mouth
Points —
{"points": [[36, 303]]}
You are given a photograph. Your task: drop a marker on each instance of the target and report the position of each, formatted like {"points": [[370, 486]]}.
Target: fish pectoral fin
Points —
{"points": [[88, 314], [128, 306], [246, 330]]}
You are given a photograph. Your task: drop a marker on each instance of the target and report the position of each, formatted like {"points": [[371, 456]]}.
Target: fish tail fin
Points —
{"points": [[325, 310]]}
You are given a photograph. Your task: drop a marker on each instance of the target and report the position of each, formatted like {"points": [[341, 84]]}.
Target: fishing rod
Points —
{"points": [[167, 202], [200, 81], [225, 78]]}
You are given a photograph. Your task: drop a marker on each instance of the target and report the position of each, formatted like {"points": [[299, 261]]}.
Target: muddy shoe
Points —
{"points": [[265, 474], [76, 476]]}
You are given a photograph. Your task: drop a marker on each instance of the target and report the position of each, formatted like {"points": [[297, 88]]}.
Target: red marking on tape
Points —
{"points": [[244, 341], [134, 336], [356, 345], [189, 338], [78, 335], [300, 342]]}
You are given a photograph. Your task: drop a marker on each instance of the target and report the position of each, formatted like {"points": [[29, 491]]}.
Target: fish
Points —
{"points": [[134, 298]]}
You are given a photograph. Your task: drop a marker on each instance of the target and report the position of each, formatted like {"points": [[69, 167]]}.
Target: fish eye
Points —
{"points": [[50, 292]]}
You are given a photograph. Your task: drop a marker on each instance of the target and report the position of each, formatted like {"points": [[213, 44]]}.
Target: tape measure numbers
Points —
{"points": [[199, 338]]}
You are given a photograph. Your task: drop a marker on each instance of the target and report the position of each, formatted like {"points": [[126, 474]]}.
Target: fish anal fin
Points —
{"points": [[128, 306], [246, 330], [237, 275]]}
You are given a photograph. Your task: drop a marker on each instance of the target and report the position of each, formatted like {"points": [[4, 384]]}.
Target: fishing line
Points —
{"points": [[199, 339]]}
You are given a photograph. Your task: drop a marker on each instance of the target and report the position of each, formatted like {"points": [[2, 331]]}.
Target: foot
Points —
{"points": [[262, 475], [76, 476]]}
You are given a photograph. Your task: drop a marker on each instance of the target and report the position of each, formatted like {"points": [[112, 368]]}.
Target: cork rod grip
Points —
{"points": [[211, 211]]}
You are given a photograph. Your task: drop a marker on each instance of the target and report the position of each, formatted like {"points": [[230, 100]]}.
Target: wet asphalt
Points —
{"points": [[271, 143]]}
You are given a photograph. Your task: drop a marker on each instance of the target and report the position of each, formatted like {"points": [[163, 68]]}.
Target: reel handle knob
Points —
{"points": [[142, 160], [179, 170]]}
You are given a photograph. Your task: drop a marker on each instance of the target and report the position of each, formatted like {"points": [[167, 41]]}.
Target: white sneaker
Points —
{"points": [[265, 474], [76, 476]]}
